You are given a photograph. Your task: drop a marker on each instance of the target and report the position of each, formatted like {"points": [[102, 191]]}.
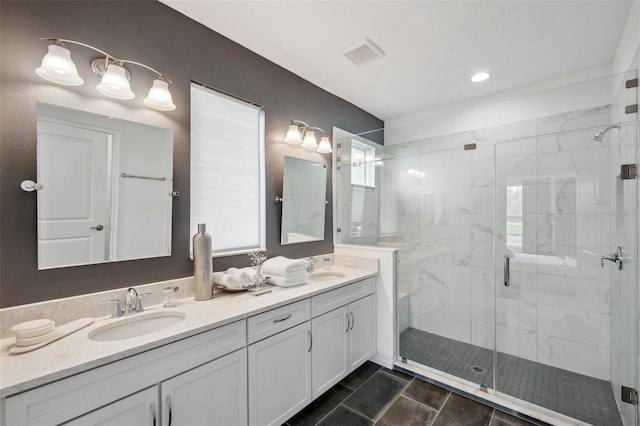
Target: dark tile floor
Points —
{"points": [[575, 395], [374, 395]]}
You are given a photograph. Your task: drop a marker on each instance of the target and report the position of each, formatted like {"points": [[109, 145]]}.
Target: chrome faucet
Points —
{"points": [[129, 307], [311, 261], [131, 293]]}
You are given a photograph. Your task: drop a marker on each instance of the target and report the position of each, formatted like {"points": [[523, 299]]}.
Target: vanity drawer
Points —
{"points": [[61, 401], [271, 322], [326, 302]]}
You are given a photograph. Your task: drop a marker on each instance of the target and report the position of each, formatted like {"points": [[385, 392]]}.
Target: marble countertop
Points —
{"points": [[76, 353]]}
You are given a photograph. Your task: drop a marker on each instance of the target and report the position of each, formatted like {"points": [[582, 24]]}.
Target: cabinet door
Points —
{"points": [[362, 332], [138, 409], [212, 394], [280, 376], [329, 355]]}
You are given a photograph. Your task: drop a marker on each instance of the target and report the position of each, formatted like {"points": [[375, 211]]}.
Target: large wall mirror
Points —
{"points": [[107, 188], [303, 201]]}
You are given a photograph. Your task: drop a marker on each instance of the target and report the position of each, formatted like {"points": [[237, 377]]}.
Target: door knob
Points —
{"points": [[98, 228]]}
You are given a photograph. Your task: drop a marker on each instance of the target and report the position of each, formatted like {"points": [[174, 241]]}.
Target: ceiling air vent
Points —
{"points": [[363, 52]]}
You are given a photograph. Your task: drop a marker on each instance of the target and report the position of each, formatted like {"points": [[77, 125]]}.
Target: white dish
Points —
{"points": [[33, 328], [59, 333], [28, 341]]}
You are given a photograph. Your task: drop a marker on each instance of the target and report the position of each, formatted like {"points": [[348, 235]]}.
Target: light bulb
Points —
{"points": [[325, 145], [293, 135], [309, 142], [159, 96], [58, 67], [115, 84]]}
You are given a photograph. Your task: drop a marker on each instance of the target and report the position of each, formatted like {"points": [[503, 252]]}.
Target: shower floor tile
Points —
{"points": [[582, 397]]}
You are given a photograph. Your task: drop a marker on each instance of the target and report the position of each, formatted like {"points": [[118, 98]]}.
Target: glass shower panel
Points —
{"points": [[438, 208], [556, 197]]}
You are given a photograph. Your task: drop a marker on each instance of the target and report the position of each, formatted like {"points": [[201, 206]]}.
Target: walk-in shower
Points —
{"points": [[541, 194]]}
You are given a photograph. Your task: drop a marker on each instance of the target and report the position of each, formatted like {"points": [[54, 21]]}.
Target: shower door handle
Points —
{"points": [[506, 270], [615, 257]]}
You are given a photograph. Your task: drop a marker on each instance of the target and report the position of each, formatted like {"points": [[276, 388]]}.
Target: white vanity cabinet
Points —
{"points": [[280, 364], [212, 394], [258, 371], [141, 408], [343, 340], [91, 395]]}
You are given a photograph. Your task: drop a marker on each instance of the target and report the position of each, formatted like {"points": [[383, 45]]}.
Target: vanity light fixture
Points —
{"points": [[58, 67], [301, 133]]}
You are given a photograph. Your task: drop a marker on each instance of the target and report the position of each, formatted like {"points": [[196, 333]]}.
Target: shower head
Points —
{"points": [[598, 136]]}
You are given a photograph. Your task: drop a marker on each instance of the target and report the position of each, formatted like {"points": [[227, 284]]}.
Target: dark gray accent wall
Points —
{"points": [[152, 33]]}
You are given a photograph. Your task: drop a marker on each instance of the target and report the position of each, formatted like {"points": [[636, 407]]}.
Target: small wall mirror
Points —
{"points": [[107, 188], [303, 201]]}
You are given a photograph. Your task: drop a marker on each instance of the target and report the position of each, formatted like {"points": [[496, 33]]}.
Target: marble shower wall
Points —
{"points": [[542, 188]]}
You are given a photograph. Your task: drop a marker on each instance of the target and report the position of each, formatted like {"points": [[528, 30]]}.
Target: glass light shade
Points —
{"points": [[479, 77], [159, 96], [325, 145], [309, 142], [58, 67], [293, 135], [115, 84]]}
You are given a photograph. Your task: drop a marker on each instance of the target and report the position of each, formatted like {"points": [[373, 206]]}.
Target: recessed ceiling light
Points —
{"points": [[481, 76]]}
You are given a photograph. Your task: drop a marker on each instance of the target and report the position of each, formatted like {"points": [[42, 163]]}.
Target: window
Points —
{"points": [[363, 171], [227, 170]]}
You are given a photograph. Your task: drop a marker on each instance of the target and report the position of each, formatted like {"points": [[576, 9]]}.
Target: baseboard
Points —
{"points": [[383, 360]]}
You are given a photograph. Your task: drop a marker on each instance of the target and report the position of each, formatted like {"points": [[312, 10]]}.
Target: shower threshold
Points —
{"points": [[575, 395]]}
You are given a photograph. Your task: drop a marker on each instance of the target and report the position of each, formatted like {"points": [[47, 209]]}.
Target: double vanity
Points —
{"points": [[232, 360]]}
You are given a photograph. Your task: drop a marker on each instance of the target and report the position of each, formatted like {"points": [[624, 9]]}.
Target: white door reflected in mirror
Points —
{"points": [[303, 201], [107, 187]]}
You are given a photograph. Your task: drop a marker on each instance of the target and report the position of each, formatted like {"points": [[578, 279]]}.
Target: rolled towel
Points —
{"points": [[246, 275], [283, 266], [227, 280], [281, 281]]}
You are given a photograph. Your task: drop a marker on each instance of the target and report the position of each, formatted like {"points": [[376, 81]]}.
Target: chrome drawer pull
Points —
{"points": [[282, 319]]}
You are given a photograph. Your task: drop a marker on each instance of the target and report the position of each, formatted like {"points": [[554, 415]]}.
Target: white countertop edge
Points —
{"points": [[62, 360]]}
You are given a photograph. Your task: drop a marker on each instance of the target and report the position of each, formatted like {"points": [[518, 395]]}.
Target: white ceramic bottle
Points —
{"points": [[202, 265]]}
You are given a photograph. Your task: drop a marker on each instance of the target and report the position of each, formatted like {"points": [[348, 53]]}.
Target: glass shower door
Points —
{"points": [[437, 206], [565, 323]]}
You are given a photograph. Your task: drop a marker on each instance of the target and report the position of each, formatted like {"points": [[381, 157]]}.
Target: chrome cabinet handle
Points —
{"points": [[506, 271], [169, 405], [346, 315], [310, 340], [615, 257], [97, 228], [282, 319], [353, 321], [153, 413]]}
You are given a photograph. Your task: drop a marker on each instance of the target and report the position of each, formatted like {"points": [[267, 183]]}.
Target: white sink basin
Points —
{"points": [[136, 325], [326, 275]]}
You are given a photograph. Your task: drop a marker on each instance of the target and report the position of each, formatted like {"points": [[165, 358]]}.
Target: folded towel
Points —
{"points": [[282, 266], [281, 281]]}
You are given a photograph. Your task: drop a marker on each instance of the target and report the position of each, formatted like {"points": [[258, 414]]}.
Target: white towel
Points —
{"points": [[282, 266], [227, 280], [245, 275], [281, 281]]}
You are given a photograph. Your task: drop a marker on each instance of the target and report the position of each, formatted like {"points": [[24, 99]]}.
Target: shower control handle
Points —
{"points": [[506, 270]]}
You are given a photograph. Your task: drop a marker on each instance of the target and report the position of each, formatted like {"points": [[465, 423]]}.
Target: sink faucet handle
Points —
{"points": [[139, 307], [116, 307]]}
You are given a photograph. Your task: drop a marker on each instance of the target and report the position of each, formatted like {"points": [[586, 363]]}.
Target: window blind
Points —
{"points": [[227, 170]]}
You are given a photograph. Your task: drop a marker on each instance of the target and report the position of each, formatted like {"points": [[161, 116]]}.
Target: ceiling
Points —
{"points": [[432, 47]]}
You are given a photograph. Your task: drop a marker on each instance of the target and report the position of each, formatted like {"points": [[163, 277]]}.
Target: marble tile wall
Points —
{"points": [[444, 207]]}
